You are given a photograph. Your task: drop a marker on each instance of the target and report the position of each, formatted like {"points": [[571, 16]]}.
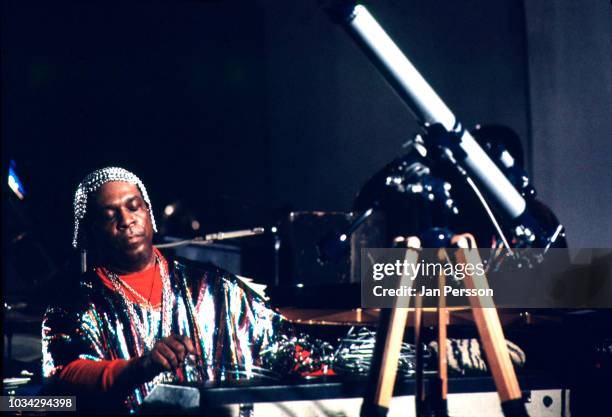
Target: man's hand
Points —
{"points": [[168, 354]]}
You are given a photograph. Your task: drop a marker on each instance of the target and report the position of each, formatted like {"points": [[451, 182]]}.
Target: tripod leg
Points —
{"points": [[383, 369], [433, 401], [491, 333], [442, 407], [389, 336], [419, 398]]}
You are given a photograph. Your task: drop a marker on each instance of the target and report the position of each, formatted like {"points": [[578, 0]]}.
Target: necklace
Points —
{"points": [[143, 301], [147, 337]]}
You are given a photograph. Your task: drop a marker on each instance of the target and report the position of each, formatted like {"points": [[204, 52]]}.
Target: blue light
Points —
{"points": [[14, 182]]}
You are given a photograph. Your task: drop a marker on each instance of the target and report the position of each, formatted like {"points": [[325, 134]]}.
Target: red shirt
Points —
{"points": [[147, 283]]}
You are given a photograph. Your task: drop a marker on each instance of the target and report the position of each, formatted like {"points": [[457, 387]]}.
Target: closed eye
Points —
{"points": [[134, 204]]}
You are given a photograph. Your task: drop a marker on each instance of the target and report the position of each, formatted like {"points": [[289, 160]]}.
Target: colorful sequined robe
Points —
{"points": [[227, 321]]}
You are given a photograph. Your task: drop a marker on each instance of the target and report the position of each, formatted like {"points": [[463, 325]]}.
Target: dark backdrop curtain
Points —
{"points": [[570, 76]]}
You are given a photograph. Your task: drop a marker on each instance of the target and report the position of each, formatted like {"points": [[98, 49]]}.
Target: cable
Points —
{"points": [[489, 212]]}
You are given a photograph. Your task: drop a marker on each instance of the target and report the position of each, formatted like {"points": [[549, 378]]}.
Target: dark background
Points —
{"points": [[244, 110]]}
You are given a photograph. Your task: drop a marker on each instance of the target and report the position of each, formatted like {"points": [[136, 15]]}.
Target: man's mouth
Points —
{"points": [[134, 238]]}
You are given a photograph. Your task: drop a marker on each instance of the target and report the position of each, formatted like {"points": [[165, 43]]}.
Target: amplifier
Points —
{"points": [[301, 233]]}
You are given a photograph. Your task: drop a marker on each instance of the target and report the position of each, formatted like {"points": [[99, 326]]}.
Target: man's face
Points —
{"points": [[121, 227]]}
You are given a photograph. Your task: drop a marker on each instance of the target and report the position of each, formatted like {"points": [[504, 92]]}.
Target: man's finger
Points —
{"points": [[160, 361], [185, 341], [188, 344], [168, 354], [177, 347]]}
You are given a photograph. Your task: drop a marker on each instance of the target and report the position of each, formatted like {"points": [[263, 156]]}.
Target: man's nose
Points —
{"points": [[126, 219]]}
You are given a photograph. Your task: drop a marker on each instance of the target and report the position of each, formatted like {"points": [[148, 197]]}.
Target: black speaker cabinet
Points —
{"points": [[300, 234]]}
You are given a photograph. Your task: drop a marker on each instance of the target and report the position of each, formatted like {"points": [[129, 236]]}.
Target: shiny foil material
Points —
{"points": [[229, 324], [300, 355], [354, 354]]}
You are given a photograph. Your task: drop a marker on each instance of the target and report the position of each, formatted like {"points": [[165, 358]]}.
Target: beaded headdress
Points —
{"points": [[92, 183]]}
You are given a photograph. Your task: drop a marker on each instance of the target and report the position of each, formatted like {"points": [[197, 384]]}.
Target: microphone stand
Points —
{"points": [[213, 237]]}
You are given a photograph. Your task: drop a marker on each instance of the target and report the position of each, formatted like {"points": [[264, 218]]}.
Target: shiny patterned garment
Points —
{"points": [[229, 324]]}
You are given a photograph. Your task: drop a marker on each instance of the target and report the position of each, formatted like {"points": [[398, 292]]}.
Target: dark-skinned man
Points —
{"points": [[135, 319]]}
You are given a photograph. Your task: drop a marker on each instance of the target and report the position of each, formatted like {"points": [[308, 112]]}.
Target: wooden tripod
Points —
{"points": [[391, 329]]}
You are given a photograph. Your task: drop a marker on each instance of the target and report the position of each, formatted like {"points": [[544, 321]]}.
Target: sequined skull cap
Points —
{"points": [[92, 183]]}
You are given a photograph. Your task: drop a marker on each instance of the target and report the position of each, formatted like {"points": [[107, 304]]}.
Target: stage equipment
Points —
{"points": [[305, 276], [336, 398], [213, 237], [228, 257], [393, 323], [14, 182], [445, 154], [29, 263], [299, 261], [499, 184], [459, 316], [205, 249]]}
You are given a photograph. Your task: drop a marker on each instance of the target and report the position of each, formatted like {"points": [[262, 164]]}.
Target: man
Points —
{"points": [[135, 319]]}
